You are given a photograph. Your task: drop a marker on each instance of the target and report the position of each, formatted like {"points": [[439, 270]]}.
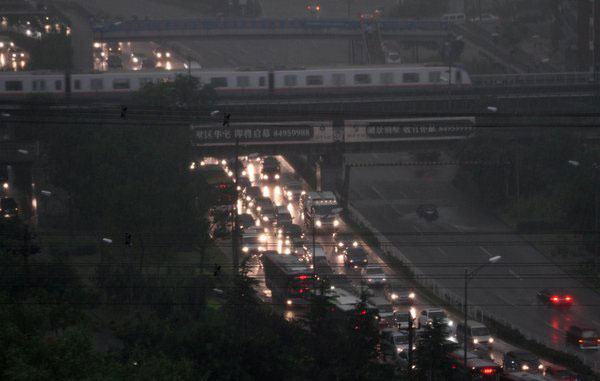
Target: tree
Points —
{"points": [[185, 92], [432, 354]]}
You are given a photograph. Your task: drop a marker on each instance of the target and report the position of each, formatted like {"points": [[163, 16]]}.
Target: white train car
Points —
{"points": [[238, 82]]}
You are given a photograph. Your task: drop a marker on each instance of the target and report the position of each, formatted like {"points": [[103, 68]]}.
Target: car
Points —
{"points": [[401, 318], [395, 338], [429, 314], [291, 231], [245, 221], [263, 202], [9, 207], [343, 240], [297, 247], [283, 216], [403, 296], [385, 308], [271, 171], [268, 214], [583, 338], [293, 191], [114, 61], [162, 53], [136, 60], [373, 276], [250, 195], [520, 360], [243, 183], [477, 333], [428, 212], [553, 297], [148, 63], [560, 373], [355, 257], [230, 168]]}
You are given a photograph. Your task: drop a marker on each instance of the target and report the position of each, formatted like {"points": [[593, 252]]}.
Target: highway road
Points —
{"points": [[465, 235]]}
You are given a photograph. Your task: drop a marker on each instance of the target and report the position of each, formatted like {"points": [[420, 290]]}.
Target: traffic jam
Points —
{"points": [[290, 233]]}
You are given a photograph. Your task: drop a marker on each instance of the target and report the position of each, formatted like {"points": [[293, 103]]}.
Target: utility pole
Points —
{"points": [[465, 330], [410, 342]]}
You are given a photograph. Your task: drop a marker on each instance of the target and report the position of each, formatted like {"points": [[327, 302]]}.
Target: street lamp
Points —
{"points": [[469, 276]]}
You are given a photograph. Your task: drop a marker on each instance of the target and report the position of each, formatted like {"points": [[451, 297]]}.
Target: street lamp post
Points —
{"points": [[468, 277]]}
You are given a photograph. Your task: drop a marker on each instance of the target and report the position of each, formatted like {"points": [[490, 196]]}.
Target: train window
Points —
{"points": [[362, 79], [77, 84], [58, 84], [13, 86], [410, 77], [290, 80], [121, 84], [218, 81], [243, 81], [314, 80], [338, 79], [261, 81], [386, 78], [435, 76], [96, 84], [458, 76], [39, 84]]}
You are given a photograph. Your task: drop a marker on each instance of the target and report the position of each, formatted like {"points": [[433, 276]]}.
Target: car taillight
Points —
{"points": [[555, 299], [489, 370], [580, 341], [568, 298]]}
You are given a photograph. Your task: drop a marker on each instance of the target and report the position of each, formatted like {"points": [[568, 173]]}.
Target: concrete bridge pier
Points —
{"points": [[330, 170]]}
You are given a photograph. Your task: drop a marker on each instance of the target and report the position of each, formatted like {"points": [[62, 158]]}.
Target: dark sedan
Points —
{"points": [[555, 297]]}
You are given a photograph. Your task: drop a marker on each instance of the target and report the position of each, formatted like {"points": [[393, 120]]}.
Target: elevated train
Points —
{"points": [[347, 79]]}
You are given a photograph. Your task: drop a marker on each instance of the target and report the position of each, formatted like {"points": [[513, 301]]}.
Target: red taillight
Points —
{"points": [[302, 277], [568, 298], [318, 8], [580, 341], [598, 340], [555, 299], [363, 312], [488, 371]]}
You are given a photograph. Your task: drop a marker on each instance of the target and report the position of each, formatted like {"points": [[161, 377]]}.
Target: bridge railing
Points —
{"points": [[283, 24]]}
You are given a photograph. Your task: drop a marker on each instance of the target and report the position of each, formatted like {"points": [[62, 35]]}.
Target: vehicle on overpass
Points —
{"points": [[229, 82], [289, 280]]}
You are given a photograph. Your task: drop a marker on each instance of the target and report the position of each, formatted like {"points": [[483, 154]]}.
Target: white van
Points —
{"points": [[477, 333], [454, 18]]}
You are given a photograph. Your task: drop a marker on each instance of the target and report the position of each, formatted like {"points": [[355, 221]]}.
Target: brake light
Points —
{"points": [[363, 312], [302, 277], [555, 299], [568, 298], [580, 341], [488, 371]]}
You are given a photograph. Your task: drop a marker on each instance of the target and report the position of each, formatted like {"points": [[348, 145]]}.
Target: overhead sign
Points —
{"points": [[408, 129], [264, 133], [354, 131]]}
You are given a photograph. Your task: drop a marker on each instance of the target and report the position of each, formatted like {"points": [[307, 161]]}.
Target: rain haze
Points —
{"points": [[300, 189]]}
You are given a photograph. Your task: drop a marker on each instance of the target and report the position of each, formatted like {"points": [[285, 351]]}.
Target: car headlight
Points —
{"points": [[491, 340], [276, 176], [365, 260], [265, 218], [265, 177], [450, 323], [336, 222], [341, 244], [383, 279], [475, 341], [248, 198], [370, 280], [289, 193], [245, 249], [525, 367], [318, 223], [258, 208], [355, 243], [540, 367], [411, 295], [352, 261], [394, 296], [399, 350]]}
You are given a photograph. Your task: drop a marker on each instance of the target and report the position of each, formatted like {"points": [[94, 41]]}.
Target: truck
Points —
{"points": [[322, 209]]}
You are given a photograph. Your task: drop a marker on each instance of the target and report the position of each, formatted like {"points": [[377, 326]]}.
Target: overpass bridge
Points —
{"points": [[266, 28]]}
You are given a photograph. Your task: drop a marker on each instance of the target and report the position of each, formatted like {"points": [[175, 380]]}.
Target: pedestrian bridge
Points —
{"points": [[265, 28]]}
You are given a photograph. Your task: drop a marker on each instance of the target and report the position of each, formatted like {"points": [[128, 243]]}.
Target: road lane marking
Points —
{"points": [[486, 251], [515, 274], [376, 192], [418, 230]]}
